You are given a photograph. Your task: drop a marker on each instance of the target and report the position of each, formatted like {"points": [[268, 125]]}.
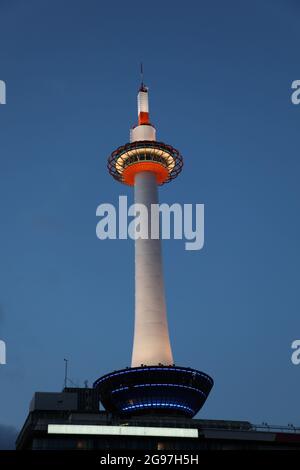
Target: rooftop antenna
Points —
{"points": [[66, 372], [142, 88]]}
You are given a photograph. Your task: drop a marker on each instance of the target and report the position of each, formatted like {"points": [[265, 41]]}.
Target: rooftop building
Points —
{"points": [[71, 420]]}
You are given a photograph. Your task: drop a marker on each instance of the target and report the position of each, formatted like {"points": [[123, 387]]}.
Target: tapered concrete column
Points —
{"points": [[151, 344]]}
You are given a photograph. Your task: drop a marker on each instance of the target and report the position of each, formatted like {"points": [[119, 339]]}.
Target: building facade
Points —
{"points": [[71, 420]]}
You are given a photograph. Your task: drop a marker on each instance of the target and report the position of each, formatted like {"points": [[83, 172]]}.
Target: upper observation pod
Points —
{"points": [[144, 130], [144, 153], [143, 105]]}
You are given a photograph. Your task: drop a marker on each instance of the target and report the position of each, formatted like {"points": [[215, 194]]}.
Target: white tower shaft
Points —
{"points": [[151, 344]]}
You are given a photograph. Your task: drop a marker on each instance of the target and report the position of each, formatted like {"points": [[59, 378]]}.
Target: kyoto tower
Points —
{"points": [[153, 383]]}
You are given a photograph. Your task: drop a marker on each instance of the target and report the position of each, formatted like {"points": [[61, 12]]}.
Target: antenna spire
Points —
{"points": [[142, 75], [142, 87]]}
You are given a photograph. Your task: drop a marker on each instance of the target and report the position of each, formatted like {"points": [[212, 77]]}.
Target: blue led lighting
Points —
{"points": [[161, 385], [165, 369], [155, 405], [120, 389]]}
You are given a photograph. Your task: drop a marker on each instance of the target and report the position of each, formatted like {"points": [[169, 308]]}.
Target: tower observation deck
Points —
{"points": [[153, 384]]}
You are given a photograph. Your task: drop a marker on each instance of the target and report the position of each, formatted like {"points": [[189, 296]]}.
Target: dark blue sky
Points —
{"points": [[219, 74]]}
